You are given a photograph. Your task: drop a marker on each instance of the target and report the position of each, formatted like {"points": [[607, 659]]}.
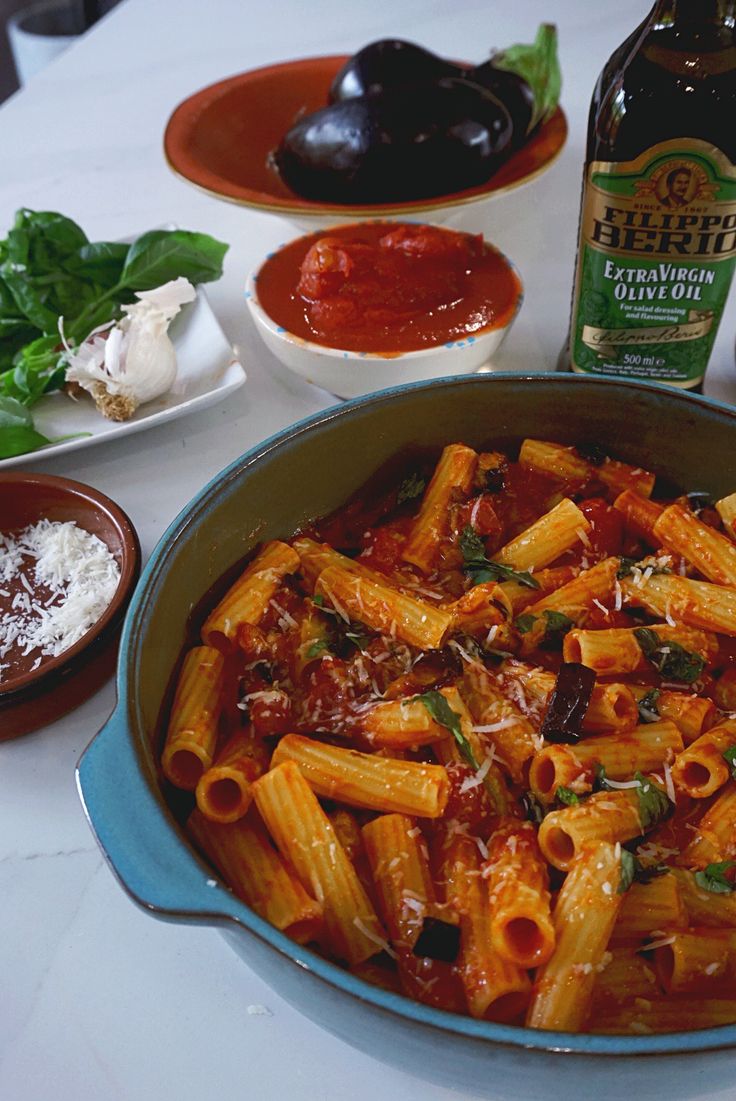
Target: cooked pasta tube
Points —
{"points": [[607, 816], [576, 600], [727, 511], [711, 553], [702, 769], [694, 960], [692, 715], [518, 895], [548, 537], [616, 651], [626, 975], [554, 577], [643, 749], [384, 609], [246, 601], [453, 475], [705, 907], [497, 717], [192, 732], [695, 603], [401, 723], [316, 557], [563, 988], [306, 838], [650, 906], [640, 513], [365, 779], [242, 852], [494, 987], [448, 751], [664, 1014], [612, 706], [558, 766], [225, 790], [399, 863], [715, 839], [480, 608], [567, 464]]}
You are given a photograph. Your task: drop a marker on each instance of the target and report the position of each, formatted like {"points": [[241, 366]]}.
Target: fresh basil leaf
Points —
{"points": [[410, 488], [567, 796], [716, 879], [628, 871], [647, 705], [600, 780], [319, 600], [653, 802], [729, 757], [524, 623], [319, 647], [102, 262], [443, 714], [669, 658], [18, 439], [539, 66], [162, 255], [480, 569], [555, 624], [13, 414]]}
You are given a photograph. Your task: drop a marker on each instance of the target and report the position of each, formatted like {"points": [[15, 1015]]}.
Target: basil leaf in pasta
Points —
{"points": [[479, 568], [717, 878], [730, 758], [628, 871], [567, 796], [647, 706], [411, 488], [653, 802], [443, 714], [669, 658]]}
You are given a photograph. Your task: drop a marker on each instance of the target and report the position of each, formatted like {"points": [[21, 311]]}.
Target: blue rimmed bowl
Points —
{"points": [[270, 491], [351, 374]]}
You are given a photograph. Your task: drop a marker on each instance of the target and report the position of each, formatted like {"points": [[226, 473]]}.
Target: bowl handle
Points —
{"points": [[138, 837]]}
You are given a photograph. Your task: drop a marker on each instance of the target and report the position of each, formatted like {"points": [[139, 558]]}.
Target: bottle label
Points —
{"points": [[656, 257]]}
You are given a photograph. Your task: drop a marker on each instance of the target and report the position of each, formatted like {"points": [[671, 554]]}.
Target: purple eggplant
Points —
{"points": [[439, 138], [388, 65]]}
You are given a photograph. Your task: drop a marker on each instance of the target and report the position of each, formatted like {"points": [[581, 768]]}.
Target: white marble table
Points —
{"points": [[99, 1001]]}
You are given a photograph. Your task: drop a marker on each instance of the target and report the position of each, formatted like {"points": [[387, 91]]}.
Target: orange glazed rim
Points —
{"points": [[183, 158]]}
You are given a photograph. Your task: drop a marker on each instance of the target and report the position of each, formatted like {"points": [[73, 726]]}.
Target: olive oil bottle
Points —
{"points": [[657, 237]]}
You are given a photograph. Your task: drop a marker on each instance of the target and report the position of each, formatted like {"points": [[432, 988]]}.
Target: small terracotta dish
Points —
{"points": [[222, 138], [33, 699]]}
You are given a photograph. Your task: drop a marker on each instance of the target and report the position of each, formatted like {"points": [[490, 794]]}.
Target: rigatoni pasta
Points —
{"points": [[464, 739]]}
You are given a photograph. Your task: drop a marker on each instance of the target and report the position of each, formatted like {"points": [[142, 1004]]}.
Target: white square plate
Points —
{"points": [[207, 371]]}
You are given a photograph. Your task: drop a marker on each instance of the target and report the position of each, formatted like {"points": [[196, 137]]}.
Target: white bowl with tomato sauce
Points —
{"points": [[363, 306]]}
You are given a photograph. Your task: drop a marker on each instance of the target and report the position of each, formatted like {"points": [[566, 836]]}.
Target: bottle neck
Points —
{"points": [[719, 12]]}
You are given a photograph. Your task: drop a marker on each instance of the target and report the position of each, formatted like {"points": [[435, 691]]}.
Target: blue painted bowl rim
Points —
{"points": [[508, 1036]]}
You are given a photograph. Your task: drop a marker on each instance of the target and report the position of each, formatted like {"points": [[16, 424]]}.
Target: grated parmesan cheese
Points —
{"points": [[76, 568]]}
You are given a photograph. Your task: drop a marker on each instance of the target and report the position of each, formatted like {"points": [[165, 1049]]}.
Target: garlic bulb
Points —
{"points": [[126, 363]]}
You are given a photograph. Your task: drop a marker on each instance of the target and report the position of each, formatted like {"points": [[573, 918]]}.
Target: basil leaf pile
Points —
{"points": [[49, 270]]}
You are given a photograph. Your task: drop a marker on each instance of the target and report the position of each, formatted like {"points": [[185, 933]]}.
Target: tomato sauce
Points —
{"points": [[388, 287]]}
